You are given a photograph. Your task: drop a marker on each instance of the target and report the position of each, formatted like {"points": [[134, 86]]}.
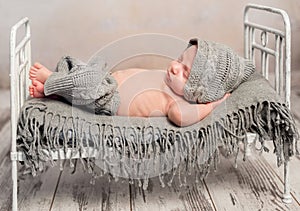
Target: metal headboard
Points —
{"points": [[281, 50]]}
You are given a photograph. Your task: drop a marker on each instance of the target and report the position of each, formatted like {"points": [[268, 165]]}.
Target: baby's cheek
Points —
{"points": [[179, 86]]}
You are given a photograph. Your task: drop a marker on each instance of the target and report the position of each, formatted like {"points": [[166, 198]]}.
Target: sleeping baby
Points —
{"points": [[191, 87]]}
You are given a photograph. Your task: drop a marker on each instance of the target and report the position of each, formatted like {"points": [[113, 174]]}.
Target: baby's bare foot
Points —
{"points": [[39, 72], [36, 89], [31, 90], [39, 86], [34, 93]]}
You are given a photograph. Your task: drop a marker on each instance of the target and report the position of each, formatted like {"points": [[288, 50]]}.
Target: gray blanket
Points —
{"points": [[142, 143]]}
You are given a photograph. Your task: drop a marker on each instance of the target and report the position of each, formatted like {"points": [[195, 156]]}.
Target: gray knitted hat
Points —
{"points": [[216, 70]]}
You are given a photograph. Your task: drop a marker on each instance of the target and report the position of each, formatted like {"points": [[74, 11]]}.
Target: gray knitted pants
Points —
{"points": [[84, 84]]}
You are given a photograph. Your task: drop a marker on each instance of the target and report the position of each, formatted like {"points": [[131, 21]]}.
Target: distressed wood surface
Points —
{"points": [[37, 193], [5, 139], [269, 159], [75, 192], [4, 106], [5, 164], [156, 197], [5, 136], [5, 184], [253, 185]]}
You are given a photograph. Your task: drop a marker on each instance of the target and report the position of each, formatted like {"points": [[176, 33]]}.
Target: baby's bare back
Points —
{"points": [[143, 92]]}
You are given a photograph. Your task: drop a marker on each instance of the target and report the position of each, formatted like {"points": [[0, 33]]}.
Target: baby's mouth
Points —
{"points": [[168, 77]]}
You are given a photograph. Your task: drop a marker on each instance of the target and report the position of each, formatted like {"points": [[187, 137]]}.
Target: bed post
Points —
{"points": [[20, 62], [287, 197], [282, 55]]}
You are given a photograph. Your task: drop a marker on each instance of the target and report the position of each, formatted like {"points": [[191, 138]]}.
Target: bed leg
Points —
{"points": [[15, 186], [287, 197], [249, 143]]}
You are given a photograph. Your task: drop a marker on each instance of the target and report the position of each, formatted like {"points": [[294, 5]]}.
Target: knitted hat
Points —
{"points": [[216, 70]]}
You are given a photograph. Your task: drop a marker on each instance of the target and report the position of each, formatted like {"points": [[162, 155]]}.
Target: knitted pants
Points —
{"points": [[84, 84]]}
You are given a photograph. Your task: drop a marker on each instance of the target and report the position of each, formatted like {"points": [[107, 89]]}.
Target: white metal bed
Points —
{"points": [[256, 43], [281, 52]]}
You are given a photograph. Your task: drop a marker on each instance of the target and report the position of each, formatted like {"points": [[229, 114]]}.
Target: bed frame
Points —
{"points": [[257, 46]]}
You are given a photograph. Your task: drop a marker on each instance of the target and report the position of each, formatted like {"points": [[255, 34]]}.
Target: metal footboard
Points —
{"points": [[20, 62], [271, 46]]}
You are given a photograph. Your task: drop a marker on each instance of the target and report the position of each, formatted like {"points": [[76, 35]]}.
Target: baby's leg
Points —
{"points": [[75, 81], [40, 73]]}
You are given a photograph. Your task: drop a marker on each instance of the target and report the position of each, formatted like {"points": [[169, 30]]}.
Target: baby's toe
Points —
{"points": [[37, 65]]}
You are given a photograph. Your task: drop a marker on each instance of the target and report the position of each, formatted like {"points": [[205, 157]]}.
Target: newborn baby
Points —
{"points": [[191, 87]]}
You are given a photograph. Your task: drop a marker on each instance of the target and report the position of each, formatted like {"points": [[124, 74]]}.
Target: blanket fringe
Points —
{"points": [[146, 151]]}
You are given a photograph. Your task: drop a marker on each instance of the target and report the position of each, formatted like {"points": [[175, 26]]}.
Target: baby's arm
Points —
{"points": [[182, 113]]}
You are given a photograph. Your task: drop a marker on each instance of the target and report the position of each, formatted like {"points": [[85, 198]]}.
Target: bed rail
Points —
{"points": [[274, 41], [271, 41], [20, 62]]}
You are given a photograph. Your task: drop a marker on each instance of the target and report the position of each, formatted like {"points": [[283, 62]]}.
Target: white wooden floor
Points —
{"points": [[254, 185]]}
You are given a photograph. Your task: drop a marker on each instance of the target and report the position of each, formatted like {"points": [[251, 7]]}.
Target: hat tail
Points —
{"points": [[248, 69]]}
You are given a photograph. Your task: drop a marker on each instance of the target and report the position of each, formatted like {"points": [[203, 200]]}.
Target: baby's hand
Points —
{"points": [[215, 103]]}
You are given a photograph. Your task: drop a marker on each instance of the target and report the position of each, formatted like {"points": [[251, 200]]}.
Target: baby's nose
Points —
{"points": [[175, 67]]}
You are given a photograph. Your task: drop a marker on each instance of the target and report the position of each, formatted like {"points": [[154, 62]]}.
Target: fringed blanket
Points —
{"points": [[140, 148]]}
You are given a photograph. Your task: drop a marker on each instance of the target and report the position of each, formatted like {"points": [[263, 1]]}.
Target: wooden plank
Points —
{"points": [[156, 197], [5, 136], [5, 184], [4, 106], [35, 193], [251, 186], [5, 140], [75, 192], [196, 197]]}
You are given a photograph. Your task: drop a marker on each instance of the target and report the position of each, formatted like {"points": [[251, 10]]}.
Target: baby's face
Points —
{"points": [[179, 70]]}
